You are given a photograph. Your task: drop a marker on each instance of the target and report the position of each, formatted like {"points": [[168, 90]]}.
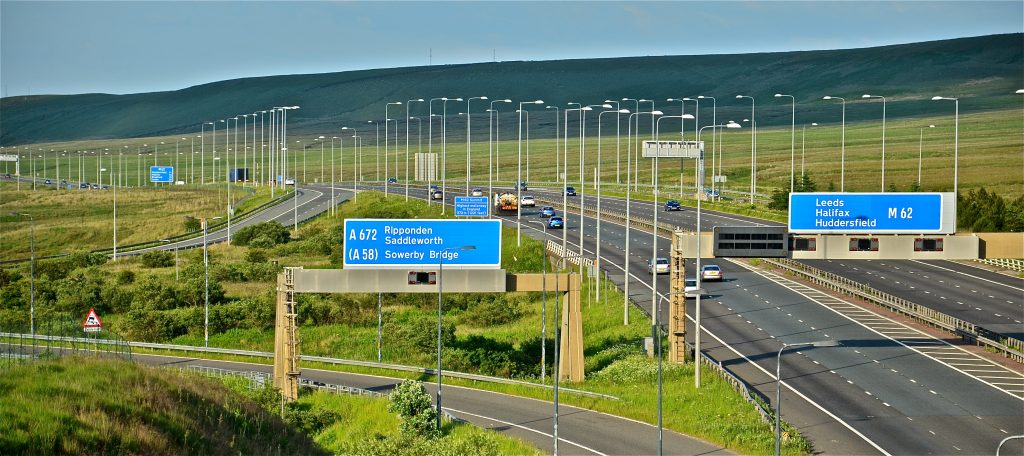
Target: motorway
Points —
{"points": [[888, 389]]}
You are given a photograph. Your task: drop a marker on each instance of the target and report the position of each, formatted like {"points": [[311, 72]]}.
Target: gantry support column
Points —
{"points": [[570, 365], [286, 343], [677, 301]]}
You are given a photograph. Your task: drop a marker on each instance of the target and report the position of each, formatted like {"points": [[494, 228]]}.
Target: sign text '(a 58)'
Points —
{"points": [[411, 243]]}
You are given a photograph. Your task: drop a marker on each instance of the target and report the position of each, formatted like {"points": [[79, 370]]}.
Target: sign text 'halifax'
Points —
{"points": [[874, 213], [410, 243]]}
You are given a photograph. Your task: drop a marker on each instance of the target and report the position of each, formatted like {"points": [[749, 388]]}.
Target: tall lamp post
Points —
{"points": [[387, 118], [883, 135], [444, 151], [32, 272], [920, 149], [700, 194], [956, 144], [753, 148], [557, 136], [440, 282], [842, 159], [206, 269], [519, 173], [492, 113], [544, 307], [654, 238], [778, 383], [599, 162], [714, 142], [792, 140], [469, 143], [407, 118]]}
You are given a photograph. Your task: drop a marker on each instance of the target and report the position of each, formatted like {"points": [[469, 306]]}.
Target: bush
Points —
{"points": [[192, 224], [780, 200], [273, 233], [310, 420], [157, 259], [413, 405], [255, 255], [61, 267], [125, 277], [420, 333], [492, 312]]}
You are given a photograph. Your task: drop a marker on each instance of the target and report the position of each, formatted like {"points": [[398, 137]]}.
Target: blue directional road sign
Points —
{"points": [[876, 213], [408, 243], [161, 174], [472, 206]]}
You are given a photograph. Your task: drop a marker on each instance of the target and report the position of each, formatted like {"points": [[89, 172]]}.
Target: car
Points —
{"points": [[8, 175], [477, 192], [63, 182], [289, 181], [691, 289], [710, 272], [83, 185], [95, 186], [660, 266], [528, 201], [48, 182], [570, 191], [547, 211], [437, 194], [522, 186], [556, 222], [392, 180], [673, 205], [106, 187]]}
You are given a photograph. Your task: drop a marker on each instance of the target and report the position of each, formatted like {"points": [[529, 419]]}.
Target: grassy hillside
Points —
{"points": [[92, 406], [985, 71]]}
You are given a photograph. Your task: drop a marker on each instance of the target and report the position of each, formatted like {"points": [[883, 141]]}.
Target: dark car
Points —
{"points": [[673, 205], [547, 211], [63, 182], [48, 182], [556, 222], [392, 180], [570, 191], [83, 185], [522, 186], [8, 175]]}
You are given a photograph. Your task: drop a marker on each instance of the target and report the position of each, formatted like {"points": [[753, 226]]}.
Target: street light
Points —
{"points": [[753, 148], [440, 278], [444, 152], [700, 194], [792, 140], [654, 245], [714, 142], [557, 136], [803, 148], [778, 383], [842, 160], [956, 143], [491, 159], [599, 163], [544, 307], [469, 143], [206, 270], [883, 135], [387, 118], [407, 104], [32, 272], [519, 173], [920, 148]]}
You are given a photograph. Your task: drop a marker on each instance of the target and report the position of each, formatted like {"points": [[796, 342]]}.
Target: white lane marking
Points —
{"points": [[506, 423], [968, 275]]}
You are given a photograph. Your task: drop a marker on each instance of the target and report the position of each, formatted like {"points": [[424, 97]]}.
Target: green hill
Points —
{"points": [[91, 406], [984, 71]]}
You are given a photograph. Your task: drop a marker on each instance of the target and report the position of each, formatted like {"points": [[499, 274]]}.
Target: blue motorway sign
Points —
{"points": [[161, 174], [472, 206], [876, 213], [410, 243]]}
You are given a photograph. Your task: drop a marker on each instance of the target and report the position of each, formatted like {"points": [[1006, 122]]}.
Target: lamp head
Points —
{"points": [[538, 102], [458, 99], [732, 124], [507, 100], [586, 108], [826, 97], [931, 126], [778, 95], [688, 99], [481, 98], [701, 97], [656, 113], [688, 117], [865, 96], [814, 124], [673, 99], [623, 111], [606, 106], [739, 96]]}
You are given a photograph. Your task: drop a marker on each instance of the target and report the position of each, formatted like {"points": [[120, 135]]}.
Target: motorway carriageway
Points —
{"points": [[888, 389]]}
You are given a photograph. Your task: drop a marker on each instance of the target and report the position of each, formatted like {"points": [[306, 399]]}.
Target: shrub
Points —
{"points": [[492, 312], [310, 420], [420, 332], [413, 405], [157, 259], [255, 255], [273, 232], [192, 224], [780, 200]]}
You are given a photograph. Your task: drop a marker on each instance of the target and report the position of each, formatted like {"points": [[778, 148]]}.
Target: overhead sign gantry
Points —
{"points": [[874, 213]]}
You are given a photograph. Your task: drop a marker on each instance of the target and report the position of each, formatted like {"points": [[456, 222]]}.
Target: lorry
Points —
{"points": [[506, 202], [238, 175]]}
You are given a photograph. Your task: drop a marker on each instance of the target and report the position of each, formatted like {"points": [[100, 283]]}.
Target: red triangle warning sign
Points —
{"points": [[92, 320]]}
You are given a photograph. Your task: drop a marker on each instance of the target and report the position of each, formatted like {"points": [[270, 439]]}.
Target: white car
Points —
{"points": [[477, 192], [711, 272], [528, 201], [691, 289], [661, 266], [289, 181]]}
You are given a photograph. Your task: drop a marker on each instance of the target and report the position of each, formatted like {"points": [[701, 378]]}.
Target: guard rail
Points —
{"points": [[1008, 263]]}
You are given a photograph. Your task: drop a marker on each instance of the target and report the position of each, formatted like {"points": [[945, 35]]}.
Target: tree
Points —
{"points": [[780, 200], [413, 405]]}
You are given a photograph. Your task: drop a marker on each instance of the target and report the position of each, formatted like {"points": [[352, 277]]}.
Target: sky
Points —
{"points": [[119, 47]]}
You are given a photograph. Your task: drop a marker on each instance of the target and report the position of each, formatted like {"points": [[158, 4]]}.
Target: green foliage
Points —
{"points": [[345, 309], [157, 259], [983, 211], [780, 200], [309, 420], [265, 235], [419, 332], [915, 186], [255, 255], [806, 184], [125, 277], [640, 369], [413, 405], [151, 293], [192, 224], [61, 267], [498, 310]]}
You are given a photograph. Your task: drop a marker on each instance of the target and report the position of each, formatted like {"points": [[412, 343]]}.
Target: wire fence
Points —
{"points": [[56, 335]]}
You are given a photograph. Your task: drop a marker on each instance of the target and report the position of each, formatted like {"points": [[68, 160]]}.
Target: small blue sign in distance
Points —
{"points": [[472, 206], [410, 243], [161, 174], [876, 213]]}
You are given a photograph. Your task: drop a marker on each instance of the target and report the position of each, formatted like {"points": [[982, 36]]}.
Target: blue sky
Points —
{"points": [[127, 47]]}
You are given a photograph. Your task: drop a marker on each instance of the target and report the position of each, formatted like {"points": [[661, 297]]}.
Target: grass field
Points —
{"points": [[77, 220], [86, 406], [991, 154]]}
